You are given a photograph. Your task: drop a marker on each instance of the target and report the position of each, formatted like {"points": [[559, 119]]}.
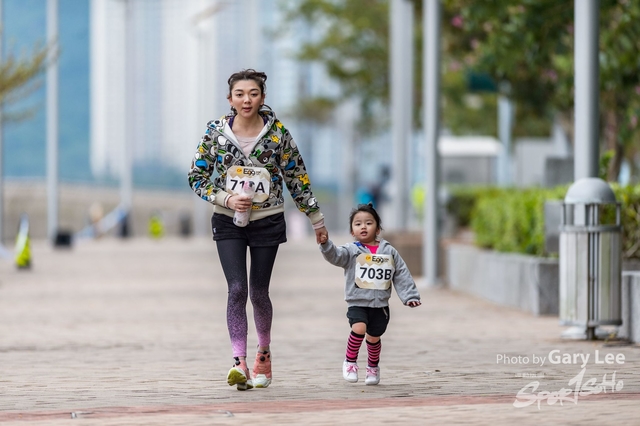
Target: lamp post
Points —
{"points": [[52, 121], [126, 170], [431, 96], [401, 49], [586, 89], [203, 89], [1, 149]]}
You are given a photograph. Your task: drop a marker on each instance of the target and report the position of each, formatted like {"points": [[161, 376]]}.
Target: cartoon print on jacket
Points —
{"points": [[276, 151], [263, 157]]}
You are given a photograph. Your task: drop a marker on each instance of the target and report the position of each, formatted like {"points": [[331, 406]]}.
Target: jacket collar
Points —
{"points": [[268, 116]]}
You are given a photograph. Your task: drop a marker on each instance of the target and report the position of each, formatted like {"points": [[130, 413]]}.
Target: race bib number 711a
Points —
{"points": [[374, 271], [260, 177]]}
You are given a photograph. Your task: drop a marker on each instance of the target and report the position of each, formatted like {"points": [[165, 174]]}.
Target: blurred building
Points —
{"points": [[151, 73], [182, 53], [24, 26], [543, 161], [469, 160]]}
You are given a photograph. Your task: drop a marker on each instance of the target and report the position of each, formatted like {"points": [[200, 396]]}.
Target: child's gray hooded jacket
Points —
{"points": [[347, 255]]}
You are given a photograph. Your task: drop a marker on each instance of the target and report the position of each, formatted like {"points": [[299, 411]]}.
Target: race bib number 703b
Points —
{"points": [[374, 271]]}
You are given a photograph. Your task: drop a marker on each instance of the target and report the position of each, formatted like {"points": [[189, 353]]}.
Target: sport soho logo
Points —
{"points": [[579, 385]]}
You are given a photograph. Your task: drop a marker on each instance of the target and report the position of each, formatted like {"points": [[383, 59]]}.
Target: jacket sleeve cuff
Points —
{"points": [[315, 217], [221, 197]]}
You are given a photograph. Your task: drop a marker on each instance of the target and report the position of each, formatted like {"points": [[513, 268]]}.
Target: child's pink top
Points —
{"points": [[372, 249]]}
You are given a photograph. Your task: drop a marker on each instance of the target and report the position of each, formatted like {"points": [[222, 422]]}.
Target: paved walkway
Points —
{"points": [[133, 333]]}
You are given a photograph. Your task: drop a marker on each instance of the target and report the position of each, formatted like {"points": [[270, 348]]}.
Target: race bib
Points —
{"points": [[261, 178], [374, 271]]}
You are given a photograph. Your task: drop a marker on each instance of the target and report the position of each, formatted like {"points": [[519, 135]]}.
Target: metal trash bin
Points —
{"points": [[590, 257]]}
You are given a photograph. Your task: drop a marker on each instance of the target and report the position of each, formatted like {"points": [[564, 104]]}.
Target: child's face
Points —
{"points": [[364, 228]]}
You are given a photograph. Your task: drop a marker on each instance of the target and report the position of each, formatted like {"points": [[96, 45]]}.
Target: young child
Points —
{"points": [[370, 265]]}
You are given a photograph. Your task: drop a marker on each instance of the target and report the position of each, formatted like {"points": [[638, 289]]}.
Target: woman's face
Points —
{"points": [[246, 98]]}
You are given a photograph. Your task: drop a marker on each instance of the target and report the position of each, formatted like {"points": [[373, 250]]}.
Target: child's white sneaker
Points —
{"points": [[373, 376], [350, 371]]}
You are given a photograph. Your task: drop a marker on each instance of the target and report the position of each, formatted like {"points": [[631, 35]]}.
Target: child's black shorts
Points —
{"points": [[269, 231], [376, 319]]}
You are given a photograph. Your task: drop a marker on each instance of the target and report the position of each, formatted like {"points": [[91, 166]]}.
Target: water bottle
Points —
{"points": [[241, 219]]}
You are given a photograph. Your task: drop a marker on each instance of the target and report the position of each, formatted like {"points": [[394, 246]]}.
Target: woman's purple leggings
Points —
{"points": [[233, 257]]}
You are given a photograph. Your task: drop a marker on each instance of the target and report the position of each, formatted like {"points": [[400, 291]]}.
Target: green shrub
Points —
{"points": [[629, 197], [462, 200], [512, 220]]}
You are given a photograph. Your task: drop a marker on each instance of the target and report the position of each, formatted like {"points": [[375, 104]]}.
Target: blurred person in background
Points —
{"points": [[250, 144]]}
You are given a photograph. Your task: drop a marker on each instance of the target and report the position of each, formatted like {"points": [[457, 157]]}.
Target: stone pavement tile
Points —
{"points": [[584, 413], [141, 323]]}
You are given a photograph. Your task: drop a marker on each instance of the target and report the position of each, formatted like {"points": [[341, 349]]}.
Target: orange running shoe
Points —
{"points": [[239, 375], [262, 369]]}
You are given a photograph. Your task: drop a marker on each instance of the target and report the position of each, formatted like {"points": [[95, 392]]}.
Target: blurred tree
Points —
{"points": [[18, 78], [529, 43], [353, 43]]}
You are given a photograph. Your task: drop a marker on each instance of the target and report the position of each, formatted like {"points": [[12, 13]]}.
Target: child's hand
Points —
{"points": [[414, 303], [322, 236]]}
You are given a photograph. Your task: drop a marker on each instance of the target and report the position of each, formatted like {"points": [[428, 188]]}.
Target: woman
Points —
{"points": [[250, 145]]}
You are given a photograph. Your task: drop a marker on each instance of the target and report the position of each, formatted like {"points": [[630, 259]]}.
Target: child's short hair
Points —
{"points": [[368, 208]]}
